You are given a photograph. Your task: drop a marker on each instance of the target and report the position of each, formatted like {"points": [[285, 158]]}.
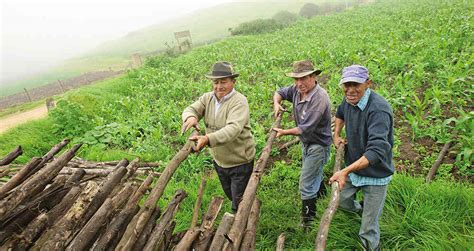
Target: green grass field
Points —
{"points": [[420, 55]]}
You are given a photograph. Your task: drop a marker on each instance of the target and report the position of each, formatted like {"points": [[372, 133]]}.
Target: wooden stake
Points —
{"points": [[248, 241], [240, 222], [88, 233], [11, 156], [321, 237], [204, 240], [219, 239], [438, 162], [280, 242], [145, 212], [18, 177], [197, 206], [156, 236], [36, 184]]}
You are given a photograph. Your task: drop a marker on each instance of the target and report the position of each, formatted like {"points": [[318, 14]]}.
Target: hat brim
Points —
{"points": [[222, 76], [352, 79], [302, 74]]}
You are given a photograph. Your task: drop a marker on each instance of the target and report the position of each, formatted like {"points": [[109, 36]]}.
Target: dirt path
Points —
{"points": [[16, 119]]}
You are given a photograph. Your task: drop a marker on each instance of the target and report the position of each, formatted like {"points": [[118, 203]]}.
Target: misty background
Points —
{"points": [[37, 35]]}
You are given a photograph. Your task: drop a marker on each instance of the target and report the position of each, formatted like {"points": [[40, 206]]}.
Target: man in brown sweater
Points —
{"points": [[226, 116]]}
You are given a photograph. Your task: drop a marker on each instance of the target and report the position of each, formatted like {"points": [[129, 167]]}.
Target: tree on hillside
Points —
{"points": [[285, 17], [309, 10], [257, 26]]}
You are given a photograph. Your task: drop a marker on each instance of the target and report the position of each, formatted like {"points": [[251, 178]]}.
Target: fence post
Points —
{"points": [[27, 94], [61, 85]]}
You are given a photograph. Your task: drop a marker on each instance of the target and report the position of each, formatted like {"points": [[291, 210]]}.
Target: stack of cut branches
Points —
{"points": [[58, 204]]}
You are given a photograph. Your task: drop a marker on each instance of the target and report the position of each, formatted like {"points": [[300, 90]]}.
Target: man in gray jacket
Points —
{"points": [[312, 113]]}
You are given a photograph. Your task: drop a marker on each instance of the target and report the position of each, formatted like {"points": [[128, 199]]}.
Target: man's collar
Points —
{"points": [[310, 94], [226, 97], [363, 101]]}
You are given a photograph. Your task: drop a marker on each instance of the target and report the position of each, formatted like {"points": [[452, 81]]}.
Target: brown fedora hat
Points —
{"points": [[222, 69], [302, 68]]}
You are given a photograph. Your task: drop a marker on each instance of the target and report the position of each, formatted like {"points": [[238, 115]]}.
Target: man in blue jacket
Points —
{"points": [[368, 121]]}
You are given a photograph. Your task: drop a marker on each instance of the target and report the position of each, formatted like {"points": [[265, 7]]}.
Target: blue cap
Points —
{"points": [[354, 73]]}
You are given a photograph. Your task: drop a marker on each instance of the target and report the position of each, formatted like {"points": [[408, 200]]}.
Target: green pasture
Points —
{"points": [[420, 55]]}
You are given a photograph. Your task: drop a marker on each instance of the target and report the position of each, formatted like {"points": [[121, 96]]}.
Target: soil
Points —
{"points": [[16, 119]]}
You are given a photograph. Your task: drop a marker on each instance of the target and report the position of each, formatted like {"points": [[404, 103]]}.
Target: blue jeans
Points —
{"points": [[374, 199], [314, 158]]}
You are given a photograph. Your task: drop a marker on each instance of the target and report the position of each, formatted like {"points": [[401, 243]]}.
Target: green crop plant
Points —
{"points": [[419, 54]]}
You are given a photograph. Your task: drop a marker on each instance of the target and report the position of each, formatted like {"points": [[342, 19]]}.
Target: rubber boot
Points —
{"points": [[308, 212]]}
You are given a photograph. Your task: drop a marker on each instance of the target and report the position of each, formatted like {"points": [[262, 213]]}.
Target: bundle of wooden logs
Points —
{"points": [[68, 203]]}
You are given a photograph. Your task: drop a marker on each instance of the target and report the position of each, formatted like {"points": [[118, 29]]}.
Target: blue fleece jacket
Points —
{"points": [[369, 132]]}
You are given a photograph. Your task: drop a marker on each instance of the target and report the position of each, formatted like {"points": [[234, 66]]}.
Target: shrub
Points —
{"points": [[257, 26]]}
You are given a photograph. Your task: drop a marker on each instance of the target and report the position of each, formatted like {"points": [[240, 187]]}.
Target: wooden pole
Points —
{"points": [[61, 234], [438, 162], [321, 237], [35, 184], [240, 222], [113, 233], [143, 238], [19, 177], [27, 94], [36, 227], [88, 233], [219, 239], [204, 240], [280, 242], [11, 156], [197, 206], [132, 231], [156, 236], [248, 241]]}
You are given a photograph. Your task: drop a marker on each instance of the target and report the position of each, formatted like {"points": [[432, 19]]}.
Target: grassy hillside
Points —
{"points": [[205, 25], [420, 55]]}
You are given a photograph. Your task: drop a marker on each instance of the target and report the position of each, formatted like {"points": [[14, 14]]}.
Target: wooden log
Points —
{"points": [[289, 143], [240, 221], [106, 188], [321, 237], [167, 236], [131, 169], [113, 233], [204, 240], [280, 242], [188, 239], [248, 241], [4, 172], [35, 184], [197, 205], [11, 156], [156, 236], [47, 157], [219, 239], [438, 162], [143, 238], [58, 237], [41, 223], [145, 212], [86, 237], [19, 217], [19, 177]]}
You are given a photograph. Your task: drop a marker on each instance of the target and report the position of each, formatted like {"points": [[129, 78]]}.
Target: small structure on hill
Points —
{"points": [[184, 40]]}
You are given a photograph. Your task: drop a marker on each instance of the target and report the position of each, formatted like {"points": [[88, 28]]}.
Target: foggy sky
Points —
{"points": [[36, 35]]}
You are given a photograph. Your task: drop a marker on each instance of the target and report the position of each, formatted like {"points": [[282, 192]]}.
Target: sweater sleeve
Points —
{"points": [[378, 144], [196, 109], [287, 93], [340, 111], [238, 116]]}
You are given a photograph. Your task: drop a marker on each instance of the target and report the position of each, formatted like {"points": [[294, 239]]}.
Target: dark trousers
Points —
{"points": [[234, 181]]}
